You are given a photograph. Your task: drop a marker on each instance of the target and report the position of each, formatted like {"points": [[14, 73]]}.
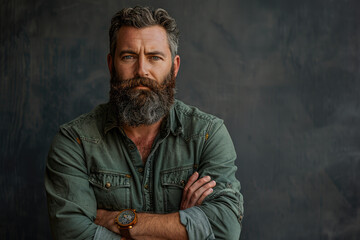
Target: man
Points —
{"points": [[144, 165]]}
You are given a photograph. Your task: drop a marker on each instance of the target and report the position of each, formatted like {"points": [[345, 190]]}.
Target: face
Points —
{"points": [[142, 52], [142, 76]]}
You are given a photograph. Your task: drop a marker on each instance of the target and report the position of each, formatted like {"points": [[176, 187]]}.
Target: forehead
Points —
{"points": [[152, 38]]}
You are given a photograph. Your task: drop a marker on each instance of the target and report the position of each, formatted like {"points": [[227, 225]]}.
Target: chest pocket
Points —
{"points": [[173, 182], [112, 190]]}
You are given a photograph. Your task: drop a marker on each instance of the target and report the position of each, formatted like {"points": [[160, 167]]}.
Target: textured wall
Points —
{"points": [[284, 75]]}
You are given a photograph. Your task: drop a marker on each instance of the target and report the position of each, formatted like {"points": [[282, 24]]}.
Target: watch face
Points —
{"points": [[126, 217]]}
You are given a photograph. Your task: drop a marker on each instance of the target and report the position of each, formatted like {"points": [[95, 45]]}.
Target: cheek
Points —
{"points": [[124, 71], [162, 73]]}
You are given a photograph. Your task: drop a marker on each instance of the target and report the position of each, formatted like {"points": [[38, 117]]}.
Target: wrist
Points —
{"points": [[139, 229], [112, 224], [125, 220]]}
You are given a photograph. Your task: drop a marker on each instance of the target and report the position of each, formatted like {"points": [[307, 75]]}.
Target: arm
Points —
{"points": [[162, 226], [224, 207], [196, 190], [148, 226], [221, 212], [71, 200]]}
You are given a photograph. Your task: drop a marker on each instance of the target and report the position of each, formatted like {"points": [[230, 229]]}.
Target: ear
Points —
{"points": [[176, 64], [110, 63]]}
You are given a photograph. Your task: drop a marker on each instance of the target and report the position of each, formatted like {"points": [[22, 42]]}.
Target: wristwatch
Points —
{"points": [[125, 220]]}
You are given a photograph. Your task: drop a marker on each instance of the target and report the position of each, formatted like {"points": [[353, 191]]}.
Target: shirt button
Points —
{"points": [[108, 185], [131, 147], [182, 182], [146, 186], [140, 169]]}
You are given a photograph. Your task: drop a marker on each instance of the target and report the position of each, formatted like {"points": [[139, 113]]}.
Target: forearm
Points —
{"points": [[148, 226], [166, 226]]}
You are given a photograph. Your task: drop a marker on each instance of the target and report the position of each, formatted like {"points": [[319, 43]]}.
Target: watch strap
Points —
{"points": [[125, 233]]}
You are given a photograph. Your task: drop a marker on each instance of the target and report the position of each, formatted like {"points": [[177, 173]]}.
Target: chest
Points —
{"points": [[155, 186], [121, 180], [144, 147]]}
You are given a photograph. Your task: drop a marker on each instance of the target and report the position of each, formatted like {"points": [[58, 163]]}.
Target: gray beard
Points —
{"points": [[137, 107]]}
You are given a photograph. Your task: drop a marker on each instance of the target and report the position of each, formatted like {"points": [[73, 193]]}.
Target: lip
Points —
{"points": [[142, 88]]}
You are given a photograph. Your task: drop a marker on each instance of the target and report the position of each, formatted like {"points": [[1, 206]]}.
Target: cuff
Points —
{"points": [[105, 234], [196, 223]]}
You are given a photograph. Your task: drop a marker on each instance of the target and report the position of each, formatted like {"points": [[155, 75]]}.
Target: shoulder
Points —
{"points": [[195, 121], [193, 112], [88, 124]]}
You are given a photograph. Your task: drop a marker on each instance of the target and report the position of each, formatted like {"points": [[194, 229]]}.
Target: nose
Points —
{"points": [[142, 69]]}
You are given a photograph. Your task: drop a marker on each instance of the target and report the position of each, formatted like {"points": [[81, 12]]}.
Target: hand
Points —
{"points": [[107, 219], [196, 190]]}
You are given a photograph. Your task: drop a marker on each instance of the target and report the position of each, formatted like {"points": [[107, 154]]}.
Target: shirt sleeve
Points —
{"points": [[105, 234], [224, 207], [71, 200], [196, 223]]}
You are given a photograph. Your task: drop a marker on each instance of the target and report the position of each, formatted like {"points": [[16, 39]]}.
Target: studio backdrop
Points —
{"points": [[284, 76]]}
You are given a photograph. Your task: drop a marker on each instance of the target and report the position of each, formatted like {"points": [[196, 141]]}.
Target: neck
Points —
{"points": [[143, 131], [143, 136]]}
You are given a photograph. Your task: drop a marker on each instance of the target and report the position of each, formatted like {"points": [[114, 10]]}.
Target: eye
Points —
{"points": [[127, 57], [155, 58]]}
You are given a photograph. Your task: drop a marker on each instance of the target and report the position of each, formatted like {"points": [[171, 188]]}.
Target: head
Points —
{"points": [[142, 17], [143, 64]]}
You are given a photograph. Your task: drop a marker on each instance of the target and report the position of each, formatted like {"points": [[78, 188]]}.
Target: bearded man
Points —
{"points": [[143, 165]]}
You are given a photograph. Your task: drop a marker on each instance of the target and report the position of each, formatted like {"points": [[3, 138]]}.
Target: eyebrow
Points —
{"points": [[127, 52], [148, 53], [156, 53]]}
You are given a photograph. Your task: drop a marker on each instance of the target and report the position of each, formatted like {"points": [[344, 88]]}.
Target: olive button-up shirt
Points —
{"points": [[92, 165]]}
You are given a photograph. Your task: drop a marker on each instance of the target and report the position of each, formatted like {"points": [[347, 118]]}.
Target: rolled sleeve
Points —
{"points": [[196, 223], [105, 234], [224, 207]]}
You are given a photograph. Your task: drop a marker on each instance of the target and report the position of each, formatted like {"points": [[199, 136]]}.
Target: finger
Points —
{"points": [[206, 193], [198, 184], [190, 187], [203, 196], [191, 180], [191, 194], [199, 193]]}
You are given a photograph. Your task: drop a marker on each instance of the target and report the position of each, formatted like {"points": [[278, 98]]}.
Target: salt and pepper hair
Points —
{"points": [[140, 17]]}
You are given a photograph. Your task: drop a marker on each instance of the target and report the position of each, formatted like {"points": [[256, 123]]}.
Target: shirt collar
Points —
{"points": [[111, 120], [174, 121]]}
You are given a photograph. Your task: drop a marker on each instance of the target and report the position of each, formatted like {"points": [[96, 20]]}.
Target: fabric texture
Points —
{"points": [[92, 165], [104, 234], [196, 222]]}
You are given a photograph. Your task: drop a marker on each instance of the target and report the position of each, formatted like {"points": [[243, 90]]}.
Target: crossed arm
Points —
{"points": [[72, 202], [162, 226]]}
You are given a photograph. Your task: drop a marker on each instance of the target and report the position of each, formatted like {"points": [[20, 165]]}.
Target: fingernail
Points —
{"points": [[207, 178]]}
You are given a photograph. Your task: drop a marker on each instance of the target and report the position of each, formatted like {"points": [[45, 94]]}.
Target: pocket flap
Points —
{"points": [[176, 177], [109, 180]]}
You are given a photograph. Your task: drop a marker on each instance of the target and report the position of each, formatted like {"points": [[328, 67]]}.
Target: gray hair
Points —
{"points": [[140, 17]]}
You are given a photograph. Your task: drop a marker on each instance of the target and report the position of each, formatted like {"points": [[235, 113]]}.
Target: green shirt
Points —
{"points": [[92, 164]]}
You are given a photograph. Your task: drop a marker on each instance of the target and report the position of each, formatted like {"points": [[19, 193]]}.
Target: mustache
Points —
{"points": [[128, 84]]}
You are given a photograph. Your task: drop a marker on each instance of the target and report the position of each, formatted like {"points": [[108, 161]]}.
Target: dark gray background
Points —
{"points": [[284, 75]]}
